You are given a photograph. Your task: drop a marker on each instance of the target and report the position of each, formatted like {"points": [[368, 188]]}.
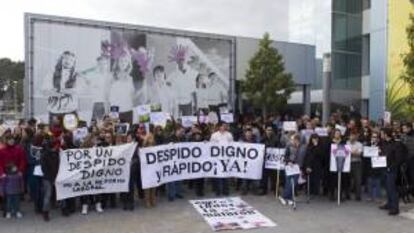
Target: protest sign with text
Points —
{"points": [[275, 158], [340, 156], [192, 160], [94, 170], [230, 214]]}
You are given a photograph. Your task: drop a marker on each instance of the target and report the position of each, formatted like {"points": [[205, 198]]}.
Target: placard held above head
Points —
{"points": [[70, 121], [290, 126]]}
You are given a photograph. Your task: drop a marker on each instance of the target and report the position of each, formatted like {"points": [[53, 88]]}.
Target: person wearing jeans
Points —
{"points": [[291, 158], [49, 162]]}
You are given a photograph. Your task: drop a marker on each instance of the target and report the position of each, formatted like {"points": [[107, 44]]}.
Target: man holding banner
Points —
{"points": [[221, 185]]}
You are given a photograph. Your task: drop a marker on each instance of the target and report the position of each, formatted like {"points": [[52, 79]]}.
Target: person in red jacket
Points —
{"points": [[12, 153]]}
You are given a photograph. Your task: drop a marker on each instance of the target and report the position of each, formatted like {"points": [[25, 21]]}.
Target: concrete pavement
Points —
{"points": [[319, 216]]}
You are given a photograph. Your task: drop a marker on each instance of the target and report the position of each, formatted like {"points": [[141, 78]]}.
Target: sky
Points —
{"points": [[285, 20]]}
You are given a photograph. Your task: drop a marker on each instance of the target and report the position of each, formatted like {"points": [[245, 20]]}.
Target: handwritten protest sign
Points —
{"points": [[94, 171], [275, 158]]}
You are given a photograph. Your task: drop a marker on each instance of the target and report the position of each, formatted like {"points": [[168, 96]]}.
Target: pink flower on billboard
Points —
{"points": [[114, 50], [178, 53], [143, 58]]}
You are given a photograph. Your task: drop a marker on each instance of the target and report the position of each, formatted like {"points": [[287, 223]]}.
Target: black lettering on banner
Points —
{"points": [[195, 167], [151, 158], [196, 152], [160, 155], [185, 153], [74, 166], [214, 151], [230, 151], [252, 153]]}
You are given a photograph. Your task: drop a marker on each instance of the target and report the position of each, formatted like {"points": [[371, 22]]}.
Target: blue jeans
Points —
{"points": [[47, 194], [174, 189], [392, 194], [35, 184], [374, 187], [289, 182], [13, 203]]}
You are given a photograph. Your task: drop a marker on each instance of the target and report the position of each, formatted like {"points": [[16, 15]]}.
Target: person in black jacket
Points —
{"points": [[408, 140], [270, 139], [393, 153], [49, 162], [313, 163]]}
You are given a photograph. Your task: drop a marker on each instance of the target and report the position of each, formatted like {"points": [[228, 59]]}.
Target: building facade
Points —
{"points": [[368, 41]]}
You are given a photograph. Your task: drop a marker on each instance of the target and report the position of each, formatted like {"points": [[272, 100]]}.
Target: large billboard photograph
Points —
{"points": [[86, 68]]}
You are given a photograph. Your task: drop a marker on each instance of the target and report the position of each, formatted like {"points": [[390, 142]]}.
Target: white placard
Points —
{"points": [[230, 213], [200, 160], [341, 128], [70, 121], [387, 117], [371, 151], [290, 126], [275, 158], [379, 162], [292, 169], [340, 151], [38, 171], [227, 117], [94, 171], [121, 128], [159, 118], [321, 132], [212, 118], [188, 121]]}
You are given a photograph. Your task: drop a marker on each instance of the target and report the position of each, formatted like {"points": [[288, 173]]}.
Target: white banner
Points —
{"points": [[275, 158], [192, 160], [230, 214], [338, 153], [94, 170]]}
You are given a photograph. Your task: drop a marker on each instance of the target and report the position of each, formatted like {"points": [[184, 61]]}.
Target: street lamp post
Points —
{"points": [[15, 97]]}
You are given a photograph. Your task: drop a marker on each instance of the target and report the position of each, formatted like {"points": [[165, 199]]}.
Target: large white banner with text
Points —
{"points": [[94, 170], [192, 160]]}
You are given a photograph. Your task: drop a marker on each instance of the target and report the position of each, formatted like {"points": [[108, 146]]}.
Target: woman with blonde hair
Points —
{"points": [[150, 193]]}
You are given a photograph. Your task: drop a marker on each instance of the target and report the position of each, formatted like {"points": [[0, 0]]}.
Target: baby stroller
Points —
{"points": [[403, 184]]}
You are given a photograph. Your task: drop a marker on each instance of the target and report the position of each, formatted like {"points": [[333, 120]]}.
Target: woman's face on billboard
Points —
{"points": [[68, 61], [124, 62]]}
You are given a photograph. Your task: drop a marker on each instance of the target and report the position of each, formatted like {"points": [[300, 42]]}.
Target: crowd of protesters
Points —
{"points": [[310, 151]]}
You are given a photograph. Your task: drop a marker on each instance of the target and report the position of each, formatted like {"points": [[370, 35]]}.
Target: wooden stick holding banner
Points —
{"points": [[277, 183], [308, 188]]}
